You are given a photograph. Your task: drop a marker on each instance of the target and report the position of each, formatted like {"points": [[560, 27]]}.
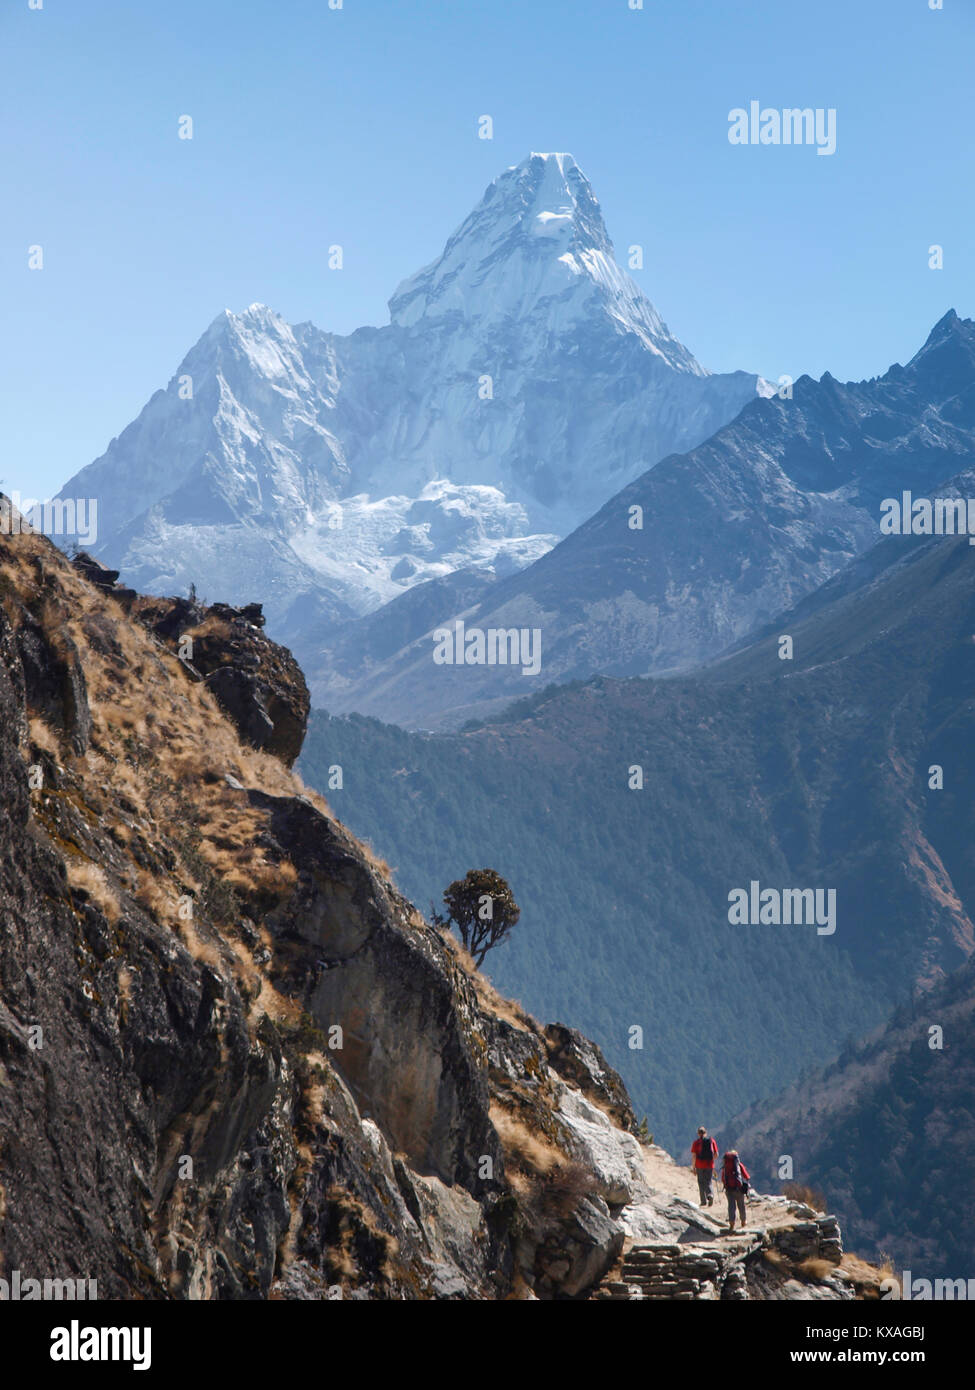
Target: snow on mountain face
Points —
{"points": [[240, 429], [400, 541], [523, 379], [540, 221], [539, 366]]}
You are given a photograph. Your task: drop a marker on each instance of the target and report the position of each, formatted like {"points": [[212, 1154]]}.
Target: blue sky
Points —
{"points": [[359, 126]]}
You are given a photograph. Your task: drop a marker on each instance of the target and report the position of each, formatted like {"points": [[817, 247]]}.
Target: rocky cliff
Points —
{"points": [[235, 1063]]}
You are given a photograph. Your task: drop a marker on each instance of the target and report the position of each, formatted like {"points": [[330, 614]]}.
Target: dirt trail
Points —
{"points": [[680, 1179]]}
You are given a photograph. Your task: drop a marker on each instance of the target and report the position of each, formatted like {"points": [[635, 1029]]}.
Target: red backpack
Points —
{"points": [[735, 1173]]}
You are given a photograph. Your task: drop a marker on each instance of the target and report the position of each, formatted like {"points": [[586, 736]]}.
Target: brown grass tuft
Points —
{"points": [[808, 1196], [90, 879], [44, 737], [155, 899]]}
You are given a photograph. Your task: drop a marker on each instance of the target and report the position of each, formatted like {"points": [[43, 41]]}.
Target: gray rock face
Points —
{"points": [[54, 681], [391, 987], [579, 1061], [582, 1253], [237, 692]]}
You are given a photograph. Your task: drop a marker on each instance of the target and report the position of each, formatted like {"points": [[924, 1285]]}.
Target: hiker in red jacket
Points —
{"points": [[735, 1180], [705, 1151]]}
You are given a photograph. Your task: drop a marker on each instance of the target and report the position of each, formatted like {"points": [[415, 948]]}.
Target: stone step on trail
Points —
{"points": [[716, 1269], [681, 1272]]}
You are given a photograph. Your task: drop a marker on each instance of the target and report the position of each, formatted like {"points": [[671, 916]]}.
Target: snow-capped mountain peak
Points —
{"points": [[258, 339], [524, 379], [536, 242]]}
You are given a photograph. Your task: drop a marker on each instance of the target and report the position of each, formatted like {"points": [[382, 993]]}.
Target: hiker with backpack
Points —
{"points": [[705, 1151], [735, 1178]]}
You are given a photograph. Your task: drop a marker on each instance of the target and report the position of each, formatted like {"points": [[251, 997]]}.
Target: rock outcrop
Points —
{"points": [[255, 681], [53, 680], [258, 683]]}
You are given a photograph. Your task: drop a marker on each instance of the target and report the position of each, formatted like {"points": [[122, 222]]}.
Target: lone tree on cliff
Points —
{"points": [[482, 908]]}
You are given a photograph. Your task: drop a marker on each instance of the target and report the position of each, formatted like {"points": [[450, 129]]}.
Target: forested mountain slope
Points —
{"points": [[803, 773]]}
